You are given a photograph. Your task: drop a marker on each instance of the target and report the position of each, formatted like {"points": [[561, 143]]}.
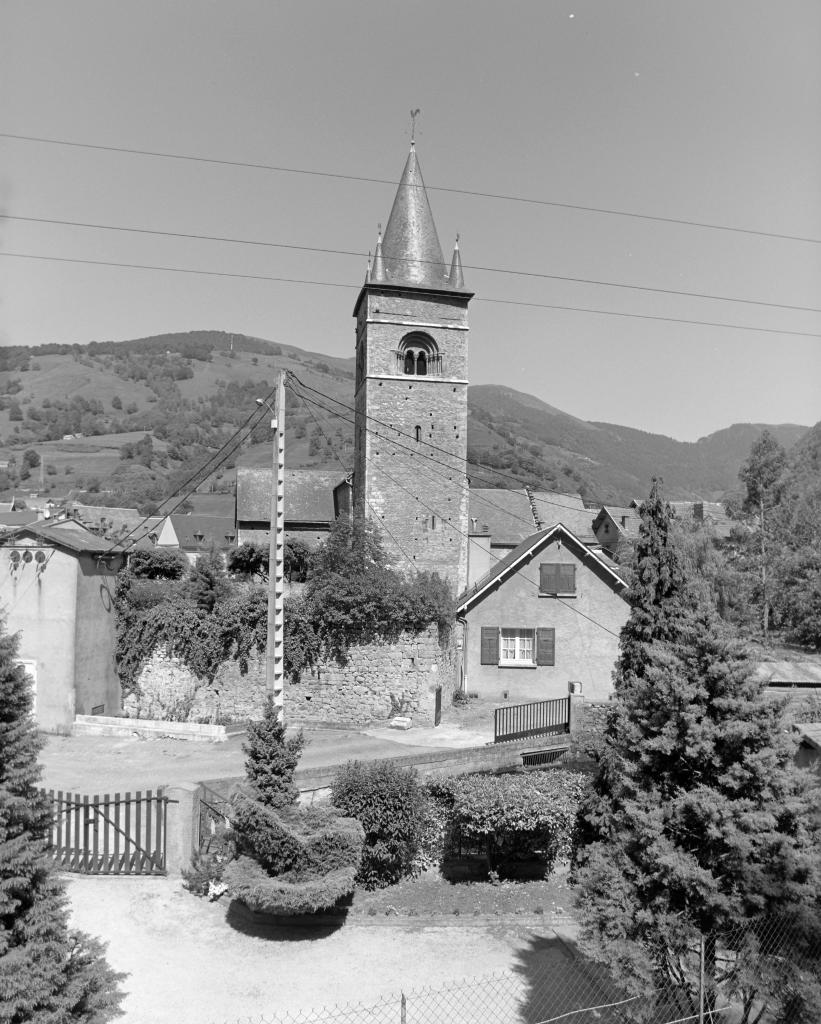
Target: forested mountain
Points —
{"points": [[190, 392]]}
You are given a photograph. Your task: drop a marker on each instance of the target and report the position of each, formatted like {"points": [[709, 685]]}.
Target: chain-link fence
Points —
{"points": [[761, 974]]}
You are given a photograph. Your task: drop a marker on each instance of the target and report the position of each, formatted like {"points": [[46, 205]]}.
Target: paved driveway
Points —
{"points": [[97, 764]]}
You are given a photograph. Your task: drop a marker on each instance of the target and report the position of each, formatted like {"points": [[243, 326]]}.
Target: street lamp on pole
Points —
{"points": [[274, 648]]}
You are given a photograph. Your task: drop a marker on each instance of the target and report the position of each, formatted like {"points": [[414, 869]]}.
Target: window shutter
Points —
{"points": [[549, 578], [545, 646], [567, 582], [490, 645]]}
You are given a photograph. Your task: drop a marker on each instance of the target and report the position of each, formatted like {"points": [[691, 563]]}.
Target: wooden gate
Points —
{"points": [[541, 718], [105, 835]]}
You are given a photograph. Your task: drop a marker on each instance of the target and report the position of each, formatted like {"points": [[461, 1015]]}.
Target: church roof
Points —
{"points": [[309, 495], [410, 252]]}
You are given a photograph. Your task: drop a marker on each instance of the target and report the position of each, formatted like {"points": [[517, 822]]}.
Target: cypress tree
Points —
{"points": [[49, 973], [698, 824]]}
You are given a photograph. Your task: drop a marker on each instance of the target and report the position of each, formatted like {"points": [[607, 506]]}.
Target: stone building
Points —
{"points": [[411, 389]]}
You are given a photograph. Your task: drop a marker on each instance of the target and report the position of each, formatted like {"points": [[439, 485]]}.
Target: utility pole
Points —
{"points": [[275, 648]]}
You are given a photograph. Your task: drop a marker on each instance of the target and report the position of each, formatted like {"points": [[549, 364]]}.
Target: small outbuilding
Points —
{"points": [[58, 595]]}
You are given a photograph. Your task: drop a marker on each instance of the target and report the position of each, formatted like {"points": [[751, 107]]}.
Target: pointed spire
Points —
{"points": [[456, 279], [378, 268], [411, 248], [368, 269]]}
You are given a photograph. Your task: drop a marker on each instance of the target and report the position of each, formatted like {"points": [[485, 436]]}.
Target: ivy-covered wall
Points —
{"points": [[379, 680]]}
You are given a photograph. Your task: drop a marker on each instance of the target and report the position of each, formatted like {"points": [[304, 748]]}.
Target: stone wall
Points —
{"points": [[378, 681]]}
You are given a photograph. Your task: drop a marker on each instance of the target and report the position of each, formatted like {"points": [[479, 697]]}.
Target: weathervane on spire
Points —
{"points": [[414, 114]]}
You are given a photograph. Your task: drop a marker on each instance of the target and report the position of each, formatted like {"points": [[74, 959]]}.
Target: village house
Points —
{"points": [[616, 525], [543, 621], [58, 595]]}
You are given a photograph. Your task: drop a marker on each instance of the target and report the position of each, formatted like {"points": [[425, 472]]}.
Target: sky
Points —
{"points": [[697, 111]]}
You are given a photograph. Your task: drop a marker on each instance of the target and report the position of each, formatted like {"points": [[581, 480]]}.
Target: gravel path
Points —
{"points": [[187, 965]]}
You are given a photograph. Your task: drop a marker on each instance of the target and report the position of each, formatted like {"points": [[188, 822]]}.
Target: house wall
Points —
{"points": [[378, 681], [95, 675], [65, 618], [585, 652], [41, 608]]}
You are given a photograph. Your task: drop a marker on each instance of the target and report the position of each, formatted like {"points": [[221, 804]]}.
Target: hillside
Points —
{"points": [[190, 392]]}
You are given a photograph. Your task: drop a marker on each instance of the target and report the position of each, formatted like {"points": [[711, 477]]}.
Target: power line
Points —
{"points": [[361, 255], [345, 469], [428, 444], [472, 540], [680, 221], [223, 453], [512, 515], [334, 284]]}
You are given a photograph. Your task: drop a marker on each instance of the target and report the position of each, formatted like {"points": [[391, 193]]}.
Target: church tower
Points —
{"points": [[411, 391]]}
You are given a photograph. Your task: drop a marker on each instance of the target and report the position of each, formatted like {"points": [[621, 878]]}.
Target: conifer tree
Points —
{"points": [[49, 974], [698, 824], [272, 759]]}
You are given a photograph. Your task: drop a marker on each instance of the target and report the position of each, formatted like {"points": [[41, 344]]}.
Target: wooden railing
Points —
{"points": [[541, 718]]}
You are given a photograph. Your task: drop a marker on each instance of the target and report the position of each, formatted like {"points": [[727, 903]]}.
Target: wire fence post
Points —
{"points": [[701, 980], [403, 1010]]}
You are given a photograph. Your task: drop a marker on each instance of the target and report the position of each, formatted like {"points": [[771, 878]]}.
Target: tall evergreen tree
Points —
{"points": [[49, 974], [698, 825]]}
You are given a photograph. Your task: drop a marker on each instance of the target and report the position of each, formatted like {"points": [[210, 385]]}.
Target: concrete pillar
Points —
{"points": [[182, 826]]}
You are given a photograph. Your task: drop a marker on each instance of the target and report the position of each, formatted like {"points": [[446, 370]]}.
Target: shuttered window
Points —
{"points": [[490, 645], [557, 578], [545, 646]]}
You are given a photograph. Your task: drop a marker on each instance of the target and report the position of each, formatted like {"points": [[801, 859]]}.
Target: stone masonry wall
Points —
{"points": [[379, 680]]}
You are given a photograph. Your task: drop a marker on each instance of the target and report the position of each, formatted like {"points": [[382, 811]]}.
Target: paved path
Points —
{"points": [[96, 764]]}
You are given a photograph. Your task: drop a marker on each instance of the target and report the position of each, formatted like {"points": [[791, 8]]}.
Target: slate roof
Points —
{"points": [[214, 531], [711, 512], [568, 509], [631, 517], [410, 252], [506, 514], [309, 495], [11, 520], [509, 516], [521, 552], [71, 535]]}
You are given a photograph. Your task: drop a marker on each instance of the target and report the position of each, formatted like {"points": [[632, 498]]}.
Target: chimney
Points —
{"points": [[698, 511], [474, 522]]}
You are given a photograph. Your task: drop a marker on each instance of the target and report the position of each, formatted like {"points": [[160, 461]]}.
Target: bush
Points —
{"points": [[516, 817], [388, 802], [204, 877]]}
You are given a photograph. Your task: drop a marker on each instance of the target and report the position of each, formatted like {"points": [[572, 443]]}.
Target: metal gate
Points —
{"points": [[108, 835], [541, 718]]}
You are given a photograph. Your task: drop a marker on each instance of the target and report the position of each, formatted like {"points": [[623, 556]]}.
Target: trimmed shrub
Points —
{"points": [[518, 817], [388, 802], [292, 860]]}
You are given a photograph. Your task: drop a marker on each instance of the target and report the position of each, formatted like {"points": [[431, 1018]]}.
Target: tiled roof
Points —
{"points": [[522, 550], [309, 495], [11, 520], [783, 672]]}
